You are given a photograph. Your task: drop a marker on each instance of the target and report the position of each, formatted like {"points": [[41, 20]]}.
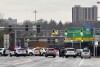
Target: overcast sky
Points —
{"points": [[47, 9]]}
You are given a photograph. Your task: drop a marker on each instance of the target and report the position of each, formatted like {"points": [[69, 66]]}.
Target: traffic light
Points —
{"points": [[53, 40], [38, 28], [26, 27], [53, 32], [37, 40], [81, 32], [48, 40], [81, 40], [64, 39], [10, 28], [91, 31], [65, 32]]}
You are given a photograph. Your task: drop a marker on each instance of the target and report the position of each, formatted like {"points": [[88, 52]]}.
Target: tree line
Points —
{"points": [[52, 24]]}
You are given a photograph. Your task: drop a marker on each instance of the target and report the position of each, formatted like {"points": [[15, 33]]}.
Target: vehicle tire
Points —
{"points": [[43, 54], [24, 55], [0, 54], [74, 56], [16, 55], [66, 56], [30, 54], [59, 55], [10, 55], [54, 56], [81, 57], [89, 57], [46, 56]]}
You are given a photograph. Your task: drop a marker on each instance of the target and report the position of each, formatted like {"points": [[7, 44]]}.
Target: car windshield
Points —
{"points": [[37, 49], [85, 50], [51, 49], [70, 49], [21, 49], [0, 49]]}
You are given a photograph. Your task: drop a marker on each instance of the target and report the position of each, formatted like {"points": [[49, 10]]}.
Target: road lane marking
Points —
{"points": [[28, 60], [22, 62], [81, 62]]}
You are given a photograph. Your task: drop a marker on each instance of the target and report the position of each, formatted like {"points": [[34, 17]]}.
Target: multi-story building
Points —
{"points": [[84, 14]]}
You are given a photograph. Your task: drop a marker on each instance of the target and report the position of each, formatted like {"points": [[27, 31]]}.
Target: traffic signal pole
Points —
{"points": [[15, 39], [94, 41]]}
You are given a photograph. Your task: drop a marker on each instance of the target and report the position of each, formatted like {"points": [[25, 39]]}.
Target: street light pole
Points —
{"points": [[80, 44], [94, 40], [35, 15], [15, 39]]}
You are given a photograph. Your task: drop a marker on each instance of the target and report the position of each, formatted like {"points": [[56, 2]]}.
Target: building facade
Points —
{"points": [[84, 14]]}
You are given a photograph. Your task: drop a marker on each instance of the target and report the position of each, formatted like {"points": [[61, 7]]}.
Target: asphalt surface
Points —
{"points": [[37, 61]]}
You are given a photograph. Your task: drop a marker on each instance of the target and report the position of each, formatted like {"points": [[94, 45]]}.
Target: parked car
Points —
{"points": [[39, 51], [86, 53], [29, 52], [18, 52], [4, 52], [61, 52], [36, 51], [79, 52], [70, 52], [50, 52]]}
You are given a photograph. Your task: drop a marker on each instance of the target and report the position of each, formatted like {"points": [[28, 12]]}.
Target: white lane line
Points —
{"points": [[53, 62], [22, 62], [81, 62]]}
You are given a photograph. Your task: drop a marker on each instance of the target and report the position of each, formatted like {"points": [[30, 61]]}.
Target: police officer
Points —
{"points": [[41, 51]]}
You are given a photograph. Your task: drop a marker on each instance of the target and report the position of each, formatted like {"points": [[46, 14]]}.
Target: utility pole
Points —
{"points": [[35, 15]]}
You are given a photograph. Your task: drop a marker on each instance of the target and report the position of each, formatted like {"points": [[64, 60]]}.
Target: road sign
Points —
{"points": [[79, 33], [56, 40], [87, 26], [97, 37], [96, 43], [97, 31]]}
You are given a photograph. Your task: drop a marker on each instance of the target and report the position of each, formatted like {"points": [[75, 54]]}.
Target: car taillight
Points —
{"points": [[55, 50]]}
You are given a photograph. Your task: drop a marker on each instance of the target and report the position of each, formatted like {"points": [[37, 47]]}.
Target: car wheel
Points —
{"points": [[81, 57], [66, 56], [30, 54], [54, 56], [74, 56], [16, 55], [59, 55], [43, 54], [46, 56], [10, 55], [24, 55], [0, 54]]}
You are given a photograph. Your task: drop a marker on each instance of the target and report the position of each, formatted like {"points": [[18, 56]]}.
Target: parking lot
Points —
{"points": [[40, 61]]}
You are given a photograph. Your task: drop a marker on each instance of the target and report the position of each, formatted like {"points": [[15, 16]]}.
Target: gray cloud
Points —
{"points": [[47, 9]]}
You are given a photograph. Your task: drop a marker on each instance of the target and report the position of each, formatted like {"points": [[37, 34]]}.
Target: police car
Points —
{"points": [[18, 52], [4, 52]]}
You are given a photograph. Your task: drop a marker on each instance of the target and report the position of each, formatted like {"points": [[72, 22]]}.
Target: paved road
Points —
{"points": [[36, 61]]}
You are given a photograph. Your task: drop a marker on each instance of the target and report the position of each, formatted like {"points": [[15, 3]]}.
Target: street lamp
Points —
{"points": [[35, 15], [81, 33]]}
